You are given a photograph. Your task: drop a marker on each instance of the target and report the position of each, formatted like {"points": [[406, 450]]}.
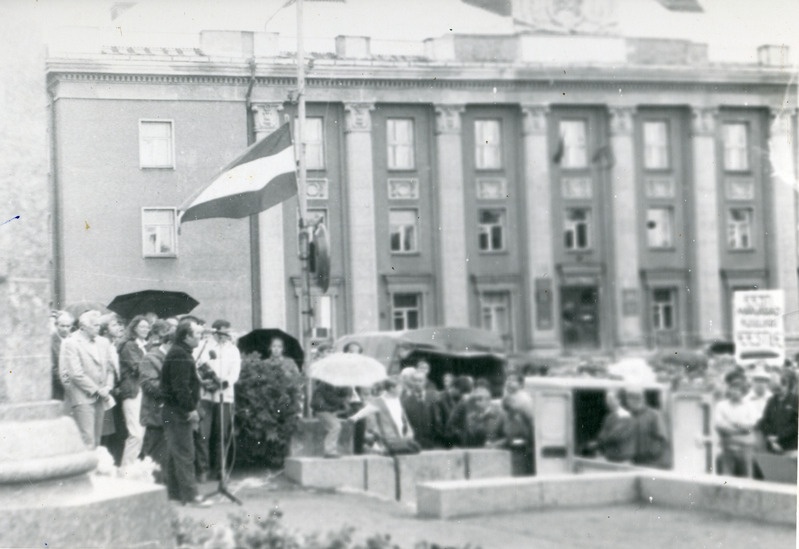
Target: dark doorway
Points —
{"points": [[579, 317]]}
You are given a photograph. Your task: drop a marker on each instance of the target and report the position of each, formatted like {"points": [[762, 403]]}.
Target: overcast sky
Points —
{"points": [[732, 28]]}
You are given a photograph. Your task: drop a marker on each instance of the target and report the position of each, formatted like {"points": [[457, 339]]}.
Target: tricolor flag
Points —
{"points": [[263, 176]]}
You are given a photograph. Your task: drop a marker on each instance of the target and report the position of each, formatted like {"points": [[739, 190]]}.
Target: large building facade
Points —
{"points": [[571, 192]]}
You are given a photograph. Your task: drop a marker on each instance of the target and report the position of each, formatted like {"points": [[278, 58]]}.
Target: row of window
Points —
{"points": [[159, 229], [156, 144]]}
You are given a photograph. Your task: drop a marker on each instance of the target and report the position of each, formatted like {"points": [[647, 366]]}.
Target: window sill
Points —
{"points": [[406, 254], [662, 249], [161, 256], [741, 250], [157, 168], [493, 252]]}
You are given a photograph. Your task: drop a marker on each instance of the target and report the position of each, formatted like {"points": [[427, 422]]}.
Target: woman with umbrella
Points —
{"points": [[131, 353], [276, 356]]}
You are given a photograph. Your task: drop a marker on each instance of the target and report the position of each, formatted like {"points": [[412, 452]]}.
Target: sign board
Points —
{"points": [[758, 326]]}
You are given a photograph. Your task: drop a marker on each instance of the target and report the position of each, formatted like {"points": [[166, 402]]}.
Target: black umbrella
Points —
{"points": [[161, 302], [258, 341]]}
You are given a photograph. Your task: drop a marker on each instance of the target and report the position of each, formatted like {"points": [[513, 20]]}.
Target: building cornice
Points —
{"points": [[325, 73]]}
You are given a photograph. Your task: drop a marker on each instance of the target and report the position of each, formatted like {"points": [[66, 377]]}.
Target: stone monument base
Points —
{"points": [[85, 511]]}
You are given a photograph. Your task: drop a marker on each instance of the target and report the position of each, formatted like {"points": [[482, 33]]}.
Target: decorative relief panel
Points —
{"points": [[267, 117], [535, 119], [739, 188], [703, 120], [576, 187], [316, 189], [621, 120], [491, 188], [359, 118], [659, 187], [448, 118], [403, 188]]}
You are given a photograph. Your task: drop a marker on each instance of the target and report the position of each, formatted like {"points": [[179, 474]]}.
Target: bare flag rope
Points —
{"points": [[261, 177]]}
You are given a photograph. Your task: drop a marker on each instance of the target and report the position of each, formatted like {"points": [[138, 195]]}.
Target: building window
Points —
{"points": [[660, 227], [156, 145], [402, 229], [399, 136], [495, 312], [656, 145], [577, 229], [573, 144], [491, 230], [739, 228], [664, 306], [487, 144], [158, 232], [406, 311], [736, 147], [314, 137]]}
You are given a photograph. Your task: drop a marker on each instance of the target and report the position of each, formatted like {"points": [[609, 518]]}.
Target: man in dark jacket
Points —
{"points": [[780, 418], [328, 404], [418, 406], [649, 432], [180, 389], [154, 444], [443, 406]]}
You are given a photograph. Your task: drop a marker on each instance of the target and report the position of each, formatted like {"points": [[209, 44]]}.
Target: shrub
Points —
{"points": [[268, 404], [246, 531]]}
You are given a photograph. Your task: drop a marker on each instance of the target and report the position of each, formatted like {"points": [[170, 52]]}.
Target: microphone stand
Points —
{"points": [[221, 489]]}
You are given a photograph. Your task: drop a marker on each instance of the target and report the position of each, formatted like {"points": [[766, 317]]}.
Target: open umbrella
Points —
{"points": [[259, 340], [348, 370], [161, 302]]}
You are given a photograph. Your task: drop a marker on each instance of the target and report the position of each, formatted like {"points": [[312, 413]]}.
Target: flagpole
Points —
{"points": [[304, 235]]}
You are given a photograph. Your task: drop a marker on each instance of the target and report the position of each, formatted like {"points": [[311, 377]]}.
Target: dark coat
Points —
{"points": [[180, 385], [616, 438], [651, 441], [55, 353], [327, 398], [152, 400], [441, 410], [130, 356], [420, 415], [469, 427], [780, 419]]}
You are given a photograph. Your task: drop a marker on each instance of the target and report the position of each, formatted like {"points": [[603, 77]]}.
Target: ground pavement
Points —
{"points": [[622, 527]]}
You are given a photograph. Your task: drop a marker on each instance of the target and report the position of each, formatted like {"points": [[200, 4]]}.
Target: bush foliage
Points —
{"points": [[245, 531], [268, 404]]}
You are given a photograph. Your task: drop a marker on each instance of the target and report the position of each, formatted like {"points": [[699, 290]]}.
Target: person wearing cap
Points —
{"points": [[734, 422], [651, 441], [219, 365]]}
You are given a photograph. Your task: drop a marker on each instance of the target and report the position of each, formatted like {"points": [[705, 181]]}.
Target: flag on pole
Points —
{"points": [[261, 177]]}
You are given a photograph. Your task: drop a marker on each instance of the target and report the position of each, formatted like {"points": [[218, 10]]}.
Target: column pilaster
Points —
{"points": [[363, 287], [626, 279], [271, 237], [706, 287], [453, 282], [541, 281], [782, 258]]}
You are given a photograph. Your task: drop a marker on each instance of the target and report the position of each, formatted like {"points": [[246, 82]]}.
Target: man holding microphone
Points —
{"points": [[219, 366]]}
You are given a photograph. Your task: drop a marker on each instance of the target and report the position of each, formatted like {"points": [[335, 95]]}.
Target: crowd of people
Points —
{"points": [[759, 412], [407, 413], [161, 388]]}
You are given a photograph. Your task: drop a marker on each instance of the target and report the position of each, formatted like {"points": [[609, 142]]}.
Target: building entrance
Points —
{"points": [[579, 317]]}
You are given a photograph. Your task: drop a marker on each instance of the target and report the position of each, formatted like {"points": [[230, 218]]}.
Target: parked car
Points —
{"points": [[459, 351]]}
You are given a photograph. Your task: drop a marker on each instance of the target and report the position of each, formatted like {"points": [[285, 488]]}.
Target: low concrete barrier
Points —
{"points": [[485, 463], [431, 465], [308, 440], [381, 476], [344, 472], [498, 495], [738, 497]]}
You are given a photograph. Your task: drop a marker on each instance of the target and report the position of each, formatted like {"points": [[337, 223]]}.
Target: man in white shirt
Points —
{"points": [[735, 423], [219, 366]]}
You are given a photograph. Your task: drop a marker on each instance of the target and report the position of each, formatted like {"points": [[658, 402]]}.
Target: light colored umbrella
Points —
{"points": [[348, 370]]}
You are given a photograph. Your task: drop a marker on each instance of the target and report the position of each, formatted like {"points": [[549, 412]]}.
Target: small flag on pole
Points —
{"points": [[263, 176]]}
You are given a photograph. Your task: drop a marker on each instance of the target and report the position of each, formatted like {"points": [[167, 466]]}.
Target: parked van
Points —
{"points": [[459, 351]]}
